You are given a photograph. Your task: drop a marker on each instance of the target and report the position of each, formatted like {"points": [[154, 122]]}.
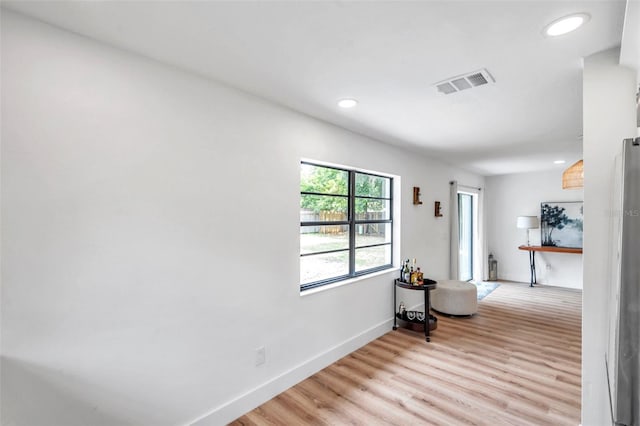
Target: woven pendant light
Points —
{"points": [[573, 177]]}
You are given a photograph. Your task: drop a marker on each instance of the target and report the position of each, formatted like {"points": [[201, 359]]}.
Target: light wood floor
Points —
{"points": [[517, 362]]}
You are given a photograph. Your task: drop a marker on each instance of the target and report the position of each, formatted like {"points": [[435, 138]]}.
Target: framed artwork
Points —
{"points": [[561, 224]]}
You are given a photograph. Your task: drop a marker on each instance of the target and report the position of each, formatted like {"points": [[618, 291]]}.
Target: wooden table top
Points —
{"points": [[552, 249]]}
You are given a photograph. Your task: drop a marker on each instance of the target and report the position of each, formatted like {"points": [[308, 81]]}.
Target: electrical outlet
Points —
{"points": [[261, 355], [547, 267]]}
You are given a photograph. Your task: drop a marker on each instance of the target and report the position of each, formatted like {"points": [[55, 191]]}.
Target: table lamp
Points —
{"points": [[527, 222]]}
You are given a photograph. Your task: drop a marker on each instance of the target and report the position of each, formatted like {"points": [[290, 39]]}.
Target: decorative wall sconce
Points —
{"points": [[416, 195], [437, 209]]}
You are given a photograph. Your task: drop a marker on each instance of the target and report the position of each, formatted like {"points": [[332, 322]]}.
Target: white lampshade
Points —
{"points": [[527, 222]]}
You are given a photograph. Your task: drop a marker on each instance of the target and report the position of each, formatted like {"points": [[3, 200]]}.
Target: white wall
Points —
{"points": [[513, 195], [150, 238], [609, 116]]}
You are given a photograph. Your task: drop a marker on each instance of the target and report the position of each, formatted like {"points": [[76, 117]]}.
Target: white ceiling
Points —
{"points": [[307, 55]]}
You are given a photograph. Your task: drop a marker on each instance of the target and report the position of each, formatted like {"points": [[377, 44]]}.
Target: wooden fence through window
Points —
{"points": [[327, 216]]}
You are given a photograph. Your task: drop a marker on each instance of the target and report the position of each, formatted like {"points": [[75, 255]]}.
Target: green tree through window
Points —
{"points": [[345, 224]]}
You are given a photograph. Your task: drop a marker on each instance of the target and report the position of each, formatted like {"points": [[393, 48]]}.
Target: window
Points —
{"points": [[465, 235], [346, 223]]}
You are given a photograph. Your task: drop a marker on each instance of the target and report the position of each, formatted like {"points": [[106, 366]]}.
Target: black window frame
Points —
{"points": [[352, 222]]}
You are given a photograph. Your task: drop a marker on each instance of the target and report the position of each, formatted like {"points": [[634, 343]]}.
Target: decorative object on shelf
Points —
{"points": [[437, 209], [405, 274], [573, 177], [527, 222], [417, 316], [561, 224], [411, 275], [493, 267], [416, 320], [416, 195]]}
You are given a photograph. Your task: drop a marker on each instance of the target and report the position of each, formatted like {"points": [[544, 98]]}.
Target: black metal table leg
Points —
{"points": [[427, 308], [533, 261], [532, 266], [395, 306]]}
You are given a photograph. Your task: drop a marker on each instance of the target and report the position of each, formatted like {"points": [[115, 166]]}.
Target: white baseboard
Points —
{"points": [[246, 402]]}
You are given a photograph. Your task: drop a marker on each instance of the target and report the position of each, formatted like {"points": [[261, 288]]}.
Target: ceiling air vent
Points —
{"points": [[446, 88], [466, 81], [461, 83]]}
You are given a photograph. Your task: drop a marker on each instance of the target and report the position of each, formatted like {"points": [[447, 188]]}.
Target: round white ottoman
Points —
{"points": [[455, 298]]}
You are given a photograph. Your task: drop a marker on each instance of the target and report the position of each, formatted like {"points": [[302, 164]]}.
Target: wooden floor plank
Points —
{"points": [[517, 361]]}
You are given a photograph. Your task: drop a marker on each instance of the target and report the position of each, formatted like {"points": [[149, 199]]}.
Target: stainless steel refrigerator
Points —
{"points": [[623, 362]]}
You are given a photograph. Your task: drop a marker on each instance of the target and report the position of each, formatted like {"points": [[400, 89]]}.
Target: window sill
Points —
{"points": [[347, 282]]}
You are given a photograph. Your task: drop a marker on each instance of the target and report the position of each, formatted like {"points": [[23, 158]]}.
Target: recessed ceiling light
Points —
{"points": [[347, 103], [567, 24], [559, 162]]}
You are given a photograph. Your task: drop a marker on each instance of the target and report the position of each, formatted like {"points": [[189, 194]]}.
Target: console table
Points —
{"points": [[426, 288], [532, 256]]}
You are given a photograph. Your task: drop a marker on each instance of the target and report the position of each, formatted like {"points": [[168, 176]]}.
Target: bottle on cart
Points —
{"points": [[420, 276], [414, 273], [406, 277]]}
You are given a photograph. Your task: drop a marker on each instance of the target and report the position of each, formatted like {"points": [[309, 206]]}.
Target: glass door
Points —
{"points": [[465, 216]]}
